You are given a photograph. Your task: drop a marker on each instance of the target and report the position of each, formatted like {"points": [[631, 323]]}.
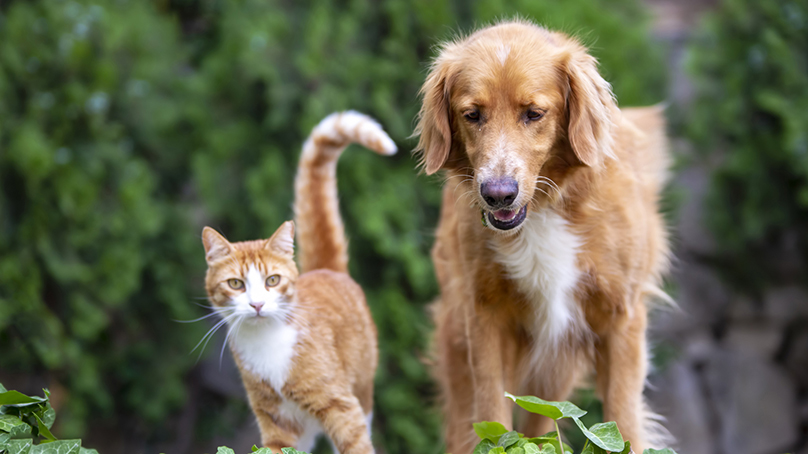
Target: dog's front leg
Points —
{"points": [[492, 358], [621, 368]]}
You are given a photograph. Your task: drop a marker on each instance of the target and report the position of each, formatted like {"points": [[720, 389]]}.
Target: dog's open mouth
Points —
{"points": [[506, 219]]}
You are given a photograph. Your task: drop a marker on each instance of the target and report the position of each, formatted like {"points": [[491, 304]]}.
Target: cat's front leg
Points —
{"points": [[343, 420]]}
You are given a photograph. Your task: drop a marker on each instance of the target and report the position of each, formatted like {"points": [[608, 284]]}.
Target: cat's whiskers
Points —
{"points": [[209, 335]]}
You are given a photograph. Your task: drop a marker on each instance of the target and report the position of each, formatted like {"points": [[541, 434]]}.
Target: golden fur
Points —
{"points": [[308, 362], [515, 102]]}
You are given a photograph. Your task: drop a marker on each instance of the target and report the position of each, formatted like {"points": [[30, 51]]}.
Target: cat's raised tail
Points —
{"points": [[320, 232]]}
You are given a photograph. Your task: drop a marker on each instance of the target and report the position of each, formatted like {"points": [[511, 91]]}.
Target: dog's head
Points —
{"points": [[516, 108]]}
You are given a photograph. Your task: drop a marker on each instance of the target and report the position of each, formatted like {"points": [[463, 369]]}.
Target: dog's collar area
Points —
{"points": [[503, 219]]}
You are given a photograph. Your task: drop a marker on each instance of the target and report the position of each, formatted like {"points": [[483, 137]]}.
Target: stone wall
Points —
{"points": [[733, 377]]}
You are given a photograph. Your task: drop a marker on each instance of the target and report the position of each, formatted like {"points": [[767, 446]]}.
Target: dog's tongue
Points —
{"points": [[504, 215]]}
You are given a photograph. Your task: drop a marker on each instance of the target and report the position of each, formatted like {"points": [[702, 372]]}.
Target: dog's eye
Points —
{"points": [[472, 115], [534, 114]]}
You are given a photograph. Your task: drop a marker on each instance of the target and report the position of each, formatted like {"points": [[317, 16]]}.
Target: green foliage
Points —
{"points": [[602, 438], [125, 126], [750, 65], [25, 424]]}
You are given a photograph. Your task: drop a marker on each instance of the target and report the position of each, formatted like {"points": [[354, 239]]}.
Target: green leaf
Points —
{"points": [[484, 446], [48, 415], [57, 447], [4, 438], [43, 429], [548, 448], [497, 450], [254, 448], [543, 439], [515, 450], [627, 448], [553, 410], [291, 451], [225, 450], [263, 451], [659, 451], [605, 435], [19, 446], [490, 430], [531, 448], [18, 398], [8, 422], [592, 448], [2, 388], [508, 439]]}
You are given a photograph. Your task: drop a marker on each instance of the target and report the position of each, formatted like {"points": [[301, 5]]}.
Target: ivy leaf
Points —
{"points": [[659, 451], [553, 410], [291, 451], [514, 450], [225, 450], [547, 448], [484, 446], [2, 388], [43, 429], [4, 438], [57, 447], [592, 448], [627, 448], [18, 398], [497, 450], [531, 448], [48, 415], [543, 439], [8, 422], [263, 451], [490, 430], [19, 446], [605, 435], [508, 439]]}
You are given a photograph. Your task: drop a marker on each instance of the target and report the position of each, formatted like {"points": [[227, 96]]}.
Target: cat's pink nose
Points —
{"points": [[257, 306]]}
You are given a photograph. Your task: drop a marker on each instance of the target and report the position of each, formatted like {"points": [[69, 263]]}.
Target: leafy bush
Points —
{"points": [[25, 420], [601, 438], [127, 125], [750, 66]]}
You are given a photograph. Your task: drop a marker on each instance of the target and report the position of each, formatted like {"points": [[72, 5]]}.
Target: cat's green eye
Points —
{"points": [[273, 280], [235, 284]]}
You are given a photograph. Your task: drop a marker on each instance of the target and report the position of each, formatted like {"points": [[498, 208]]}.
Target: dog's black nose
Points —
{"points": [[499, 192]]}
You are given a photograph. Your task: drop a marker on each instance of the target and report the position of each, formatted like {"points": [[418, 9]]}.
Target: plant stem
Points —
{"points": [[560, 442]]}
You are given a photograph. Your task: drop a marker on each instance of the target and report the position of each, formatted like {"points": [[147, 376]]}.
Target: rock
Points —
{"points": [[690, 229], [703, 299], [758, 339], [677, 395], [784, 304], [796, 360], [755, 401]]}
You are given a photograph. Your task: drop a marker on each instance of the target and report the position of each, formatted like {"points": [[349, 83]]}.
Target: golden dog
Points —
{"points": [[550, 239]]}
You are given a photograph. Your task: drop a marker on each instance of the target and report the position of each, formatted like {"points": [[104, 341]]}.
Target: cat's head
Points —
{"points": [[251, 280]]}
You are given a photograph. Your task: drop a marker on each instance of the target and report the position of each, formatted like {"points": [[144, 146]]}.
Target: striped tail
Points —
{"points": [[320, 232]]}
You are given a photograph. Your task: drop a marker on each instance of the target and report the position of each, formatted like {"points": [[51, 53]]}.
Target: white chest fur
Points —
{"points": [[267, 349], [542, 261]]}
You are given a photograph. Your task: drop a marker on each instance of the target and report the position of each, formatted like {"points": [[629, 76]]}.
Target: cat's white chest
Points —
{"points": [[267, 350], [542, 262]]}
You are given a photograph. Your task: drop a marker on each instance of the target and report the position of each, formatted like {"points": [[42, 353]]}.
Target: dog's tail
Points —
{"points": [[320, 232]]}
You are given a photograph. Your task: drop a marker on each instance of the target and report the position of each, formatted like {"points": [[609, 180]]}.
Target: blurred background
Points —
{"points": [[128, 125]]}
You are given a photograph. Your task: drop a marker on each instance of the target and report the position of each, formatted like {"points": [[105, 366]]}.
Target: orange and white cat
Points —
{"points": [[305, 344]]}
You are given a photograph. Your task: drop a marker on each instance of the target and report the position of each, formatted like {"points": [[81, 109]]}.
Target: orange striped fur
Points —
{"points": [[305, 344]]}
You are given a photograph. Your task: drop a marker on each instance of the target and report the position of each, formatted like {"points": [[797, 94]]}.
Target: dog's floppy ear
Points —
{"points": [[590, 107], [434, 119]]}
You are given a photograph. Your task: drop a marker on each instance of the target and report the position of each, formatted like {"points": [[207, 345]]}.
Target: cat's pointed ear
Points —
{"points": [[216, 246], [283, 240]]}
